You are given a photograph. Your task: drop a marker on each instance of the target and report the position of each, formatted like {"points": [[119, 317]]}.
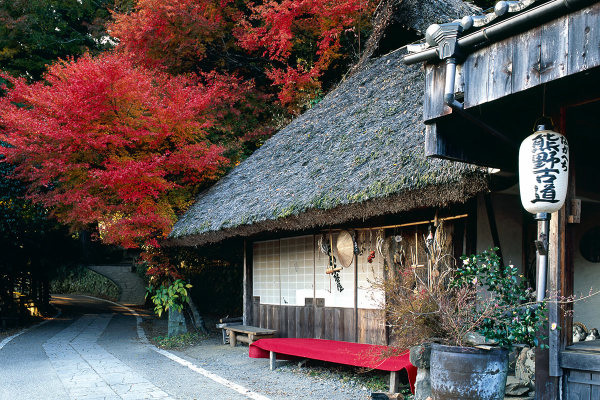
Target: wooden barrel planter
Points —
{"points": [[468, 373]]}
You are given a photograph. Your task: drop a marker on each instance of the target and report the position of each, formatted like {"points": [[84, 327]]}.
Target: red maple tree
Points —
{"points": [[287, 45], [104, 141]]}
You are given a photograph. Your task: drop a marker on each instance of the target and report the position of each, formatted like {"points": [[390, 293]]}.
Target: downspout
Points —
{"points": [[445, 36]]}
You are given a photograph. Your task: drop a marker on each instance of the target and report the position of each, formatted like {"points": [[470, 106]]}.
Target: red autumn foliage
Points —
{"points": [[302, 38], [177, 34], [103, 141], [290, 42]]}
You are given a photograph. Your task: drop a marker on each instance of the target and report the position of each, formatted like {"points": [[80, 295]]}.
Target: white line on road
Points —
{"points": [[142, 335], [8, 339]]}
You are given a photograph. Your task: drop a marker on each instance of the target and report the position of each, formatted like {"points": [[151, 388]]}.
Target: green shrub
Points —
{"points": [[85, 281]]}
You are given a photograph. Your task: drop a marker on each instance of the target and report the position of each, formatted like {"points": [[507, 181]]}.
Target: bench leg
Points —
{"points": [[394, 381], [232, 339], [272, 360]]}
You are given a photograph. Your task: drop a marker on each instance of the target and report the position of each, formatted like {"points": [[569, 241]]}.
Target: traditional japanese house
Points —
{"points": [[490, 79], [354, 162]]}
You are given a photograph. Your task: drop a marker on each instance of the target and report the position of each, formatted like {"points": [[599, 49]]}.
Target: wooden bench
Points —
{"points": [[247, 334], [224, 323]]}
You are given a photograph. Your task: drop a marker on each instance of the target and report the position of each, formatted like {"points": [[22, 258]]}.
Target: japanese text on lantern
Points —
{"points": [[550, 156]]}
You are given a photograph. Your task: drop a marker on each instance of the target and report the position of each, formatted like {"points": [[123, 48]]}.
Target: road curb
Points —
{"points": [[214, 377], [9, 338]]}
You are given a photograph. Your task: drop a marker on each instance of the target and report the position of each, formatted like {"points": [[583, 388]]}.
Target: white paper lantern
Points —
{"points": [[543, 171]]}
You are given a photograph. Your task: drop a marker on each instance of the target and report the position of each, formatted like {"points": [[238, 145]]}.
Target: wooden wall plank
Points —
{"points": [[256, 310], [579, 391], [595, 389], [338, 324], [554, 50], [433, 102], [319, 321], [584, 39], [283, 321], [290, 318], [500, 69], [526, 60], [476, 69], [328, 332], [349, 325], [263, 316], [307, 321]]}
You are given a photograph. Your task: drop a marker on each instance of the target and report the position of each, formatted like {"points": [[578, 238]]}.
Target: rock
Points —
{"points": [[420, 355], [176, 323], [475, 339], [422, 384], [516, 387], [525, 367]]}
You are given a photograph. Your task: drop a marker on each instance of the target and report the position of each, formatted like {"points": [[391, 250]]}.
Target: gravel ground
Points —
{"points": [[290, 380]]}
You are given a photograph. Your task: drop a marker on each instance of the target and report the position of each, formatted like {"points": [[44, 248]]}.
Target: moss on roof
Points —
{"points": [[361, 145]]}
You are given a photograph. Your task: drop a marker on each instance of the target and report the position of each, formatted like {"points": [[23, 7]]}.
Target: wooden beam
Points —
{"points": [[394, 381], [247, 287]]}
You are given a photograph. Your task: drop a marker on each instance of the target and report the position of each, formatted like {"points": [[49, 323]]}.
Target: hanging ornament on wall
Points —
{"points": [[543, 171], [344, 246]]}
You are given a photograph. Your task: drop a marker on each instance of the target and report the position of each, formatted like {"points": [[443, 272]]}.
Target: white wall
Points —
{"points": [[287, 271]]}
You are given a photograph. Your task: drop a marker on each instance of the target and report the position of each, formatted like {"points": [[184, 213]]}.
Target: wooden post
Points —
{"points": [[355, 327], [272, 360], [547, 364], [232, 338], [247, 288], [394, 381]]}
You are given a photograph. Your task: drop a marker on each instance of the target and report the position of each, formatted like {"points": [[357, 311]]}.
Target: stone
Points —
{"points": [[176, 323], [422, 384], [525, 366], [476, 339], [420, 355], [516, 387]]}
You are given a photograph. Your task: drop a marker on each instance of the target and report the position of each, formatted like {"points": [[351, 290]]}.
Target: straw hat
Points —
{"points": [[344, 245]]}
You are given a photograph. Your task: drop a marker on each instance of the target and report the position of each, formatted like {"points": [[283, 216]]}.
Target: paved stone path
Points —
{"points": [[88, 371], [97, 350], [133, 289]]}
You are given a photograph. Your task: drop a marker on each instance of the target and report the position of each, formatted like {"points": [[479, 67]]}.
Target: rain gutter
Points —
{"points": [[511, 26]]}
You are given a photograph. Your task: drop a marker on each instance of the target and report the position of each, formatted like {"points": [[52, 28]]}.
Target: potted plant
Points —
{"points": [[473, 312]]}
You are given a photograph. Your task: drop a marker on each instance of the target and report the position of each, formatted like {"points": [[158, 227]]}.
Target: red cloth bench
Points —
{"points": [[348, 353]]}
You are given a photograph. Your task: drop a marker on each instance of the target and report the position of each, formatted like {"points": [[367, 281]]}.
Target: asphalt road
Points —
{"points": [[94, 351]]}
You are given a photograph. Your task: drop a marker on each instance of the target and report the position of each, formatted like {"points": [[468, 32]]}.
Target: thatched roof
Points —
{"points": [[357, 154]]}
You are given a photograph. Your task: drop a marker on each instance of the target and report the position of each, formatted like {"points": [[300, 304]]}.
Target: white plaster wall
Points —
{"points": [[370, 278], [509, 220], [266, 275], [289, 270], [587, 274]]}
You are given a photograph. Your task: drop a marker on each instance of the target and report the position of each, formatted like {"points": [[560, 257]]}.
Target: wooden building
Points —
{"points": [[489, 79], [356, 162]]}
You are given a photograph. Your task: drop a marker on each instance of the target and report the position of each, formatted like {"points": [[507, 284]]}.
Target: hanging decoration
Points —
{"points": [[332, 269], [356, 249], [543, 171], [371, 256], [345, 247]]}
